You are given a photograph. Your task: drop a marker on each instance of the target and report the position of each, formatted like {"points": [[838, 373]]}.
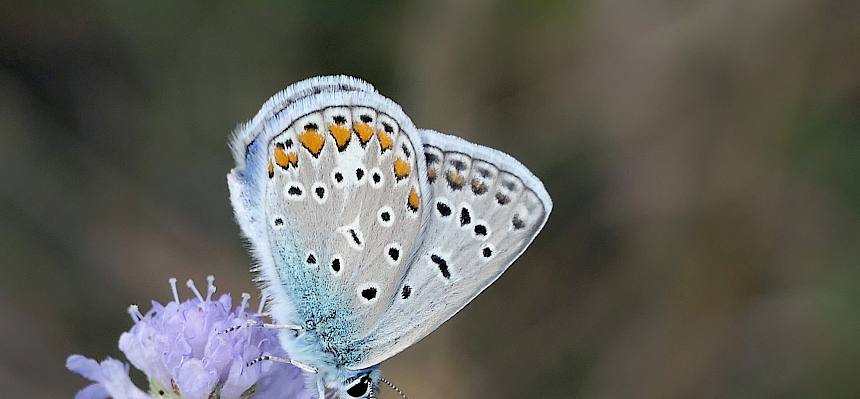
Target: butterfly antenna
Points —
{"points": [[395, 388]]}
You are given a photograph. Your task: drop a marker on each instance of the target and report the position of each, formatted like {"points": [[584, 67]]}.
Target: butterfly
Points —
{"points": [[368, 233]]}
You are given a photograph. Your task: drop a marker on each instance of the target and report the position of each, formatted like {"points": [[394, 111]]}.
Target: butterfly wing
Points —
{"points": [[328, 189], [483, 210]]}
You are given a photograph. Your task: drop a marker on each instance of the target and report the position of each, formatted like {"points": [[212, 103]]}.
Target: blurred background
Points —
{"points": [[704, 159]]}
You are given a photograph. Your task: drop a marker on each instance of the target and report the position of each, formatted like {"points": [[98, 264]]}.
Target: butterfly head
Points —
{"points": [[363, 384]]}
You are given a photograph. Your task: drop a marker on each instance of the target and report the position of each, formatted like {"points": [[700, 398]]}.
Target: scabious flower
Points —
{"points": [[194, 349]]}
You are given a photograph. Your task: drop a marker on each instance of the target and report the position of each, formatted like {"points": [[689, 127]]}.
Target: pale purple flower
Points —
{"points": [[186, 351]]}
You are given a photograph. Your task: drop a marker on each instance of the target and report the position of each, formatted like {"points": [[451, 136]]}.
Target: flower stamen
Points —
{"points": [[245, 298], [190, 284], [134, 312], [172, 282], [210, 287]]}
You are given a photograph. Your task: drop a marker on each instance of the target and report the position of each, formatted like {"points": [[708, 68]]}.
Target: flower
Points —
{"points": [[194, 349]]}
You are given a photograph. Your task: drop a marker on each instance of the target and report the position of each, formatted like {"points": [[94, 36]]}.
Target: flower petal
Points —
{"points": [[84, 366], [110, 376], [239, 379], [94, 391], [195, 380], [284, 381]]}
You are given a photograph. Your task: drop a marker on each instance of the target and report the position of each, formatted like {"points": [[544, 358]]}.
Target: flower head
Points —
{"points": [[193, 349]]}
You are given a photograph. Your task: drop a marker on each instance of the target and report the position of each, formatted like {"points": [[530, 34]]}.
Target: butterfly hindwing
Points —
{"points": [[483, 210]]}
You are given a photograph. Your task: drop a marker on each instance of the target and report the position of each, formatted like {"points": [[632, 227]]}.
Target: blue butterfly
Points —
{"points": [[368, 232]]}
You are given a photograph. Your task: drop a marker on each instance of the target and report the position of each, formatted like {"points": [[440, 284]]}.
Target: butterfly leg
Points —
{"points": [[252, 323], [280, 326], [278, 359], [320, 388]]}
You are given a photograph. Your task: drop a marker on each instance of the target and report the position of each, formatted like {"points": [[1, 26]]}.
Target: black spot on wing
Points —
{"points": [[442, 264], [487, 252], [465, 217], [480, 230], [354, 236], [368, 293], [518, 223], [443, 209]]}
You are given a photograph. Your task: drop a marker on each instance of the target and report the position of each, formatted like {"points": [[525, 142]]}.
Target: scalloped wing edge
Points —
{"points": [[246, 132]]}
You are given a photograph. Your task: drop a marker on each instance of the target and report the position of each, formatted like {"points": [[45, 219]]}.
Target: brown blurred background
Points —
{"points": [[704, 159]]}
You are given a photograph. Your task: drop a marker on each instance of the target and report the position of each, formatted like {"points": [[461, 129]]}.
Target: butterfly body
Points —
{"points": [[369, 232]]}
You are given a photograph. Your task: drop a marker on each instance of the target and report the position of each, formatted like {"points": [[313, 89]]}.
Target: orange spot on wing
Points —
{"points": [[401, 168], [414, 201], [271, 170], [312, 140], [341, 135], [281, 157], [293, 158], [385, 141], [363, 131], [478, 187], [455, 180]]}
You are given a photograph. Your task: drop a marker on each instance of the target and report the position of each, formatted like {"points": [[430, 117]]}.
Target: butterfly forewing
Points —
{"points": [[347, 206], [338, 178]]}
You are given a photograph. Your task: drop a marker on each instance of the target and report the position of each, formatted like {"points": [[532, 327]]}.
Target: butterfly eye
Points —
{"points": [[359, 389]]}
